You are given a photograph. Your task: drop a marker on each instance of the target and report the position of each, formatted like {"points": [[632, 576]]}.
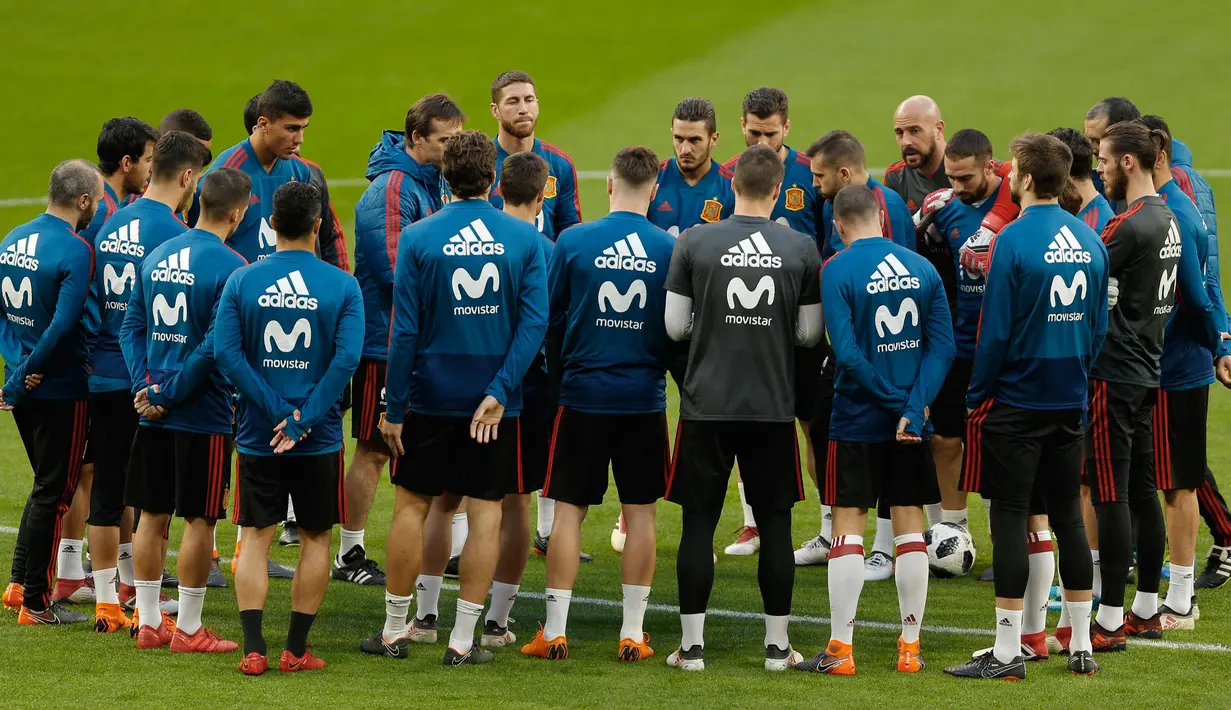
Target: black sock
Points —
{"points": [[694, 567], [254, 639], [1115, 533], [297, 638], [1151, 538]]}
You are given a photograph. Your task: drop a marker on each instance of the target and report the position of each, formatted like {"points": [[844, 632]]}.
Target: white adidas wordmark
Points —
{"points": [[21, 253], [126, 240], [1065, 249], [289, 291], [473, 240], [628, 254], [891, 275], [1173, 246], [752, 251], [174, 269]]}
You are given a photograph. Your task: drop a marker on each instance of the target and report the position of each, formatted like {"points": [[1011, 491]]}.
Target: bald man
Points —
{"points": [[921, 138]]}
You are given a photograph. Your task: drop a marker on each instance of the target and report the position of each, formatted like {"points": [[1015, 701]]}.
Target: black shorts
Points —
{"points": [[808, 365], [858, 474], [706, 451], [440, 457], [822, 413], [949, 408], [1179, 438], [1014, 454], [1120, 443], [180, 472], [584, 445], [113, 424], [368, 391], [314, 483], [535, 438]]}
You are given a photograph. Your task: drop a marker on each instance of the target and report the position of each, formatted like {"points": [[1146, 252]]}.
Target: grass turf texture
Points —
{"points": [[608, 76]]}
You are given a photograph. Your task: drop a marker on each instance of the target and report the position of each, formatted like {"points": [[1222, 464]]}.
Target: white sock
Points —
{"points": [[124, 563], [1038, 584], [350, 540], [775, 632], [68, 561], [558, 601], [429, 596], [884, 537], [1079, 614], [147, 601], [396, 609], [1109, 617], [462, 637], [934, 513], [1008, 635], [547, 514], [636, 599], [503, 596], [1097, 588], [845, 586], [750, 520], [214, 534], [911, 577], [826, 522], [239, 534], [1180, 593], [957, 517], [1065, 619], [693, 627], [460, 530], [104, 586], [192, 600], [1145, 604], [290, 511]]}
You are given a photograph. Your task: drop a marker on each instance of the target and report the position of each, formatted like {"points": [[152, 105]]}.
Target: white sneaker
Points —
{"points": [[813, 552], [691, 660], [748, 543], [422, 630], [618, 535], [878, 567], [495, 636], [778, 660]]}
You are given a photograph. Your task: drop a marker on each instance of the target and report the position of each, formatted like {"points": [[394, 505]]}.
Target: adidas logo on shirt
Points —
{"points": [[125, 240], [628, 254], [1065, 249], [21, 254], [290, 291], [752, 252], [1173, 246], [174, 269], [473, 240], [891, 275]]}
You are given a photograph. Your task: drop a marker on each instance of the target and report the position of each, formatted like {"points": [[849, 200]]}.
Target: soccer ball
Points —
{"points": [[951, 551]]}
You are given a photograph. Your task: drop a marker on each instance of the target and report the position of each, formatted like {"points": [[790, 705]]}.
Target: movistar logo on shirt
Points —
{"points": [[749, 298], [174, 269], [1065, 249], [21, 253], [126, 240], [628, 254], [752, 252], [290, 291], [115, 283], [1173, 246], [891, 275], [15, 297], [610, 298], [473, 240], [475, 288], [1064, 294], [267, 238], [170, 313], [1166, 284]]}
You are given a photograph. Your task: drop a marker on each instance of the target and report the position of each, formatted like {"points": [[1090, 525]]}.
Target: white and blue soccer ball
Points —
{"points": [[951, 550]]}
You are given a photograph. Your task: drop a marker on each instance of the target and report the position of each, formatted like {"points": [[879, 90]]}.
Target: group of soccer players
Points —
{"points": [[979, 336]]}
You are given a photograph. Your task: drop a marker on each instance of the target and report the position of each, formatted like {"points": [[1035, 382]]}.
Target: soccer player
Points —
{"points": [[469, 314], [745, 291], [1044, 320], [125, 155], [692, 187], [892, 338], [1100, 117], [1094, 209], [190, 122], [920, 132], [46, 269], [1143, 257], [288, 335], [406, 186], [120, 248], [182, 449], [612, 395]]}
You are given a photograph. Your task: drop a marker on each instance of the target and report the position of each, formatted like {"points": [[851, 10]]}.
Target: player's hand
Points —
{"points": [[286, 435], [486, 419], [976, 254], [932, 204], [33, 381], [1222, 370], [4, 406], [141, 403], [1113, 292], [905, 437], [392, 434]]}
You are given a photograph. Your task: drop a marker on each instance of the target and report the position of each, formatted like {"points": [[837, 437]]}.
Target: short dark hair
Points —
{"points": [[507, 79], [252, 111], [522, 178], [284, 98], [175, 152], [765, 102], [854, 203], [1046, 160], [70, 180], [758, 170], [469, 164], [636, 165], [297, 205], [433, 107], [840, 148], [968, 143], [224, 190], [124, 137], [188, 121], [1083, 156], [695, 109], [1115, 109], [1156, 123], [1134, 138]]}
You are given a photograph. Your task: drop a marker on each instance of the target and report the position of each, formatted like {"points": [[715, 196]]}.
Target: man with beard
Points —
{"points": [[44, 342], [692, 187], [921, 137], [1099, 118]]}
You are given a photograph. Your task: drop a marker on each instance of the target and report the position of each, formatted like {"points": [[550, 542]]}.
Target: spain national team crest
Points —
{"points": [[550, 190], [795, 199], [712, 212]]}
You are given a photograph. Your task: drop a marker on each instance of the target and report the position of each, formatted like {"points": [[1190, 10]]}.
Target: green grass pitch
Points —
{"points": [[608, 76]]}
